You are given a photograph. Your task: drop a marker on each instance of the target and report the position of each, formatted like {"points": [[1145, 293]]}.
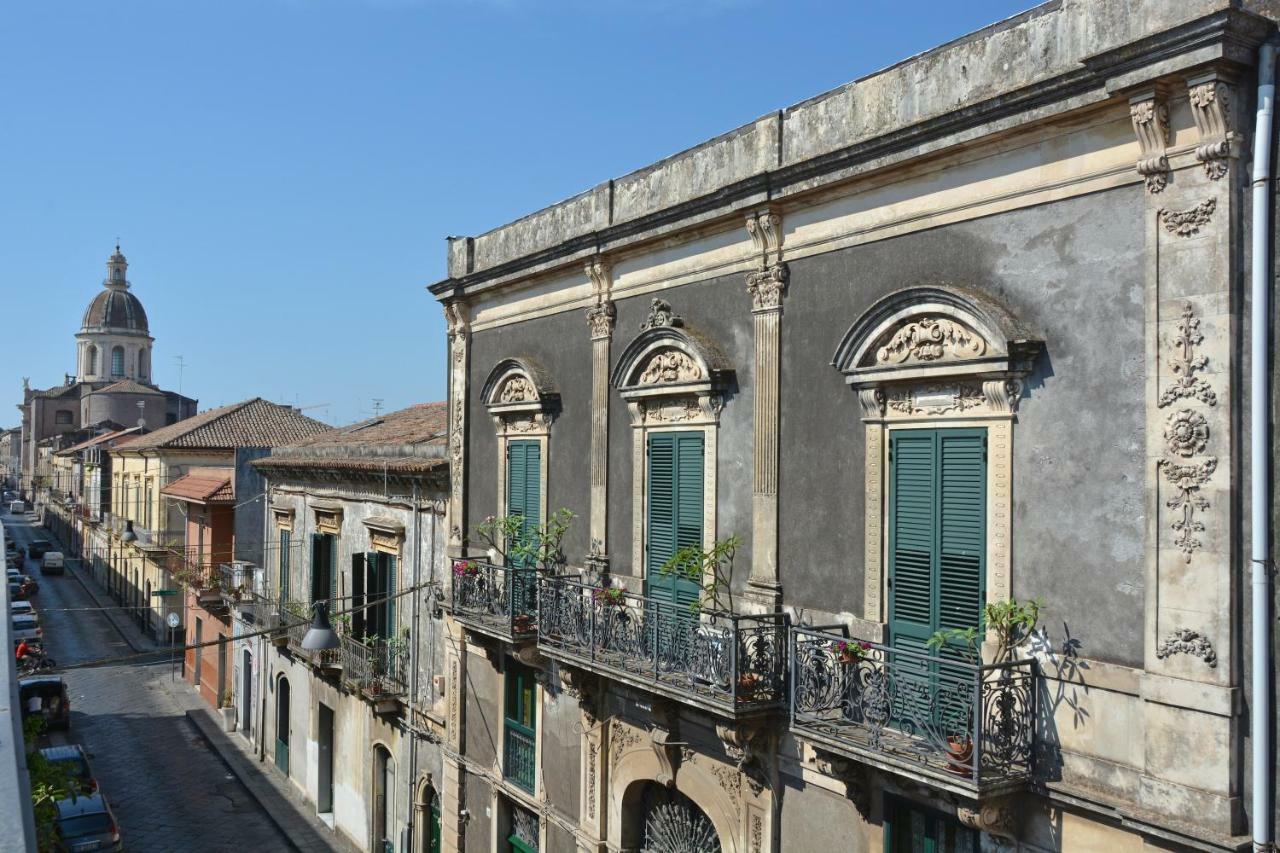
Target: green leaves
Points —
{"points": [[1011, 622], [712, 569], [539, 547]]}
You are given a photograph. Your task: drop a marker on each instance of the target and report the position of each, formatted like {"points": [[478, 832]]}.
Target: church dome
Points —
{"points": [[114, 308]]}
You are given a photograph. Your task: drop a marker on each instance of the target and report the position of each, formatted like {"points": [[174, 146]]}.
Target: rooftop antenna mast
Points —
{"points": [[181, 364], [377, 406]]}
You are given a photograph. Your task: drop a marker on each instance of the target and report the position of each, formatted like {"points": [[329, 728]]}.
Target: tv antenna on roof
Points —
{"points": [[181, 364], [377, 406]]}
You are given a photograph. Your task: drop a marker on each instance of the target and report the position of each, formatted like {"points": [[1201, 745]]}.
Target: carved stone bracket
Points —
{"points": [[1150, 115], [585, 688], [767, 287], [1184, 641], [857, 785], [1211, 106], [765, 228], [994, 817], [746, 745], [1187, 223]]}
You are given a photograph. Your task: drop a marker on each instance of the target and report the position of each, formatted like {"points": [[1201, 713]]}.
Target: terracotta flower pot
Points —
{"points": [[960, 755]]}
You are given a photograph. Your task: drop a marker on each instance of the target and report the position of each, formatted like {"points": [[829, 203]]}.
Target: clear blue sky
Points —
{"points": [[282, 173]]}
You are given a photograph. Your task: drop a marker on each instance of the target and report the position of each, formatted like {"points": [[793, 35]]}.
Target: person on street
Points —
{"points": [[22, 651]]}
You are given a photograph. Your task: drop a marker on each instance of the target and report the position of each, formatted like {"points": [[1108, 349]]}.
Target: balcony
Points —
{"points": [[296, 621], [915, 714], [724, 662], [499, 601], [377, 668]]}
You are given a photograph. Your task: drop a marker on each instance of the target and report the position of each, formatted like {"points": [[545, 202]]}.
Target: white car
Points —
{"points": [[26, 626], [21, 607]]}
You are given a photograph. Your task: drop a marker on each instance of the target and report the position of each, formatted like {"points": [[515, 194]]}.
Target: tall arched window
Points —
{"points": [[144, 363], [117, 274], [93, 361], [117, 361]]}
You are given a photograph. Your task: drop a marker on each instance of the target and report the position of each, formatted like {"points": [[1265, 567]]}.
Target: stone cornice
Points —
{"points": [[758, 151]]}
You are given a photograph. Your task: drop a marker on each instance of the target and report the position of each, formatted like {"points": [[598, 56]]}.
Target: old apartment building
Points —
{"points": [[356, 519], [965, 332]]}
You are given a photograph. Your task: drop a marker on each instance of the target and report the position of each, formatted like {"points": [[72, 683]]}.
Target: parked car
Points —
{"points": [[16, 607], [17, 506], [26, 626], [46, 695], [53, 563], [15, 591], [87, 823], [37, 548], [76, 762]]}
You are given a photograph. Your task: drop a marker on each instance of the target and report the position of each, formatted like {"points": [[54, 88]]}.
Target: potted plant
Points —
{"points": [[749, 683], [465, 568], [610, 596], [850, 651], [712, 570], [1009, 623], [228, 712]]}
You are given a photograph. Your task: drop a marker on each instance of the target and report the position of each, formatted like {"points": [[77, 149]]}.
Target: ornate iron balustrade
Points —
{"points": [[914, 711], [498, 600], [375, 666], [519, 760], [296, 627], [714, 659]]}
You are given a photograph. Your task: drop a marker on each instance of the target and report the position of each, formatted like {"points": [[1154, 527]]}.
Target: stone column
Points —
{"points": [[458, 320], [600, 320], [767, 285], [1193, 257]]}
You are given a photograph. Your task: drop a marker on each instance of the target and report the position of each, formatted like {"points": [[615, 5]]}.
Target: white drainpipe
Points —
{"points": [[1259, 434]]}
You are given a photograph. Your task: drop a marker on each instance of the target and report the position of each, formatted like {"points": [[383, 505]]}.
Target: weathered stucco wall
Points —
{"points": [[561, 751], [483, 711], [815, 819], [1073, 270]]}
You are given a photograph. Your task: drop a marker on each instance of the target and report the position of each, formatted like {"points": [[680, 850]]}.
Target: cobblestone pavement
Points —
{"points": [[170, 793]]}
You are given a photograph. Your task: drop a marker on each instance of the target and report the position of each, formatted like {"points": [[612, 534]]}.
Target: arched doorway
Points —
{"points": [[282, 725], [384, 775], [427, 807], [658, 819], [246, 694]]}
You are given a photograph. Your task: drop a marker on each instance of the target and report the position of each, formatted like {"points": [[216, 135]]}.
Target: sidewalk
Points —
{"points": [[283, 804]]}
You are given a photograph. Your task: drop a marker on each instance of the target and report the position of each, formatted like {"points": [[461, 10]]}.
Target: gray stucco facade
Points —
{"points": [[1026, 245]]}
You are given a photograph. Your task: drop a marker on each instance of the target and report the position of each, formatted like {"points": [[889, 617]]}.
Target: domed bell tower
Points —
{"points": [[114, 341]]}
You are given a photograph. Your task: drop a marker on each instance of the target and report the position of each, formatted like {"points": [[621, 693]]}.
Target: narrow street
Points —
{"points": [[170, 792]]}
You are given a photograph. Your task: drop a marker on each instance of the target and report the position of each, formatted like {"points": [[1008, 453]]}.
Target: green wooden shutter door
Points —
{"points": [[937, 532], [284, 564], [317, 554], [390, 587], [912, 537], [358, 612], [675, 512], [333, 569], [524, 484]]}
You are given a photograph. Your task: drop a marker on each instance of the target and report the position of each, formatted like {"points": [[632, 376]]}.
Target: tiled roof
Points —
{"points": [[203, 485], [252, 423], [424, 422], [410, 440], [127, 386], [116, 438]]}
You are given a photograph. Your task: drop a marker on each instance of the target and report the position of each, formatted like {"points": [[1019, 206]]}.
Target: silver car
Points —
{"points": [[86, 823], [26, 626]]}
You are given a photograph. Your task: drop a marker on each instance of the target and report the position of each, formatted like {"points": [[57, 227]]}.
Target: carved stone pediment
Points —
{"points": [[667, 367], [520, 396], [667, 358], [931, 350]]}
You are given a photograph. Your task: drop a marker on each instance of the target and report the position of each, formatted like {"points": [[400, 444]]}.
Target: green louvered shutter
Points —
{"points": [[333, 571], [937, 533], [390, 586], [285, 536], [674, 498], [962, 514], [358, 611], [524, 484], [317, 573]]}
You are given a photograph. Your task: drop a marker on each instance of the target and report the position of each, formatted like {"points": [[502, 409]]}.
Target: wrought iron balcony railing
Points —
{"points": [[375, 666], [722, 661], [968, 727], [296, 624], [497, 600]]}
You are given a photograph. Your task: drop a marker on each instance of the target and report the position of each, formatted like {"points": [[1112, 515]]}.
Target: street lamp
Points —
{"points": [[320, 635]]}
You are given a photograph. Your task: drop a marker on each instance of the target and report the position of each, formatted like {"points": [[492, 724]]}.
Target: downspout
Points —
{"points": [[263, 662], [413, 669], [1260, 407]]}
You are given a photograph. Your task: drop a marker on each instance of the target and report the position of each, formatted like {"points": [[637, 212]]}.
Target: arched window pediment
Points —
{"points": [[519, 385], [668, 358], [933, 332]]}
